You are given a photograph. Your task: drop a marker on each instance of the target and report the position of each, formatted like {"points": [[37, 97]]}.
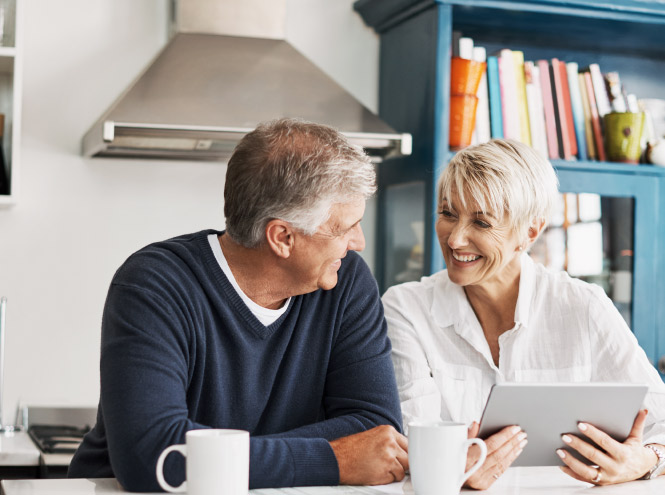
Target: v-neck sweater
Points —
{"points": [[181, 351]]}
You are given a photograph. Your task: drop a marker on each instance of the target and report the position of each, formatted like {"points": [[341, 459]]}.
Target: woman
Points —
{"points": [[494, 315]]}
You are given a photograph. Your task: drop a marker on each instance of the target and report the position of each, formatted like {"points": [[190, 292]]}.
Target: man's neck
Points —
{"points": [[255, 272]]}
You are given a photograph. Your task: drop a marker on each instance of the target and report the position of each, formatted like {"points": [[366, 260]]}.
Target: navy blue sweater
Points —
{"points": [[180, 350]]}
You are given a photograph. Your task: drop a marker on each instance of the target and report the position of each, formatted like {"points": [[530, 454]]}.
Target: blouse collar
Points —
{"points": [[450, 307]]}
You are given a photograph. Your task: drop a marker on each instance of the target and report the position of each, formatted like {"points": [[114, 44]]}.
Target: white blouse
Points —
{"points": [[566, 330]]}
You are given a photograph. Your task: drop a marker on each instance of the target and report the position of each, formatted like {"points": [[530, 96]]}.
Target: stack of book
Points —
{"points": [[550, 105]]}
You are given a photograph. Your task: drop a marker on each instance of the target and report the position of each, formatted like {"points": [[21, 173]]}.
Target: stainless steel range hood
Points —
{"points": [[204, 92]]}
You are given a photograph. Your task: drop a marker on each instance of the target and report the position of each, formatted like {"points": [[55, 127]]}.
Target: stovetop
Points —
{"points": [[56, 439]]}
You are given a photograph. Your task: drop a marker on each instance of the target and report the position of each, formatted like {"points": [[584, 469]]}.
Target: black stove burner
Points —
{"points": [[55, 439]]}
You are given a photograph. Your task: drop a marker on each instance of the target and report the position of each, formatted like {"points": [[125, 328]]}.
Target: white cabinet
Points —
{"points": [[11, 65]]}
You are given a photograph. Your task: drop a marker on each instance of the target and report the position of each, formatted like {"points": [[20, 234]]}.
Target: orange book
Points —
{"points": [[568, 107], [560, 111], [595, 119]]}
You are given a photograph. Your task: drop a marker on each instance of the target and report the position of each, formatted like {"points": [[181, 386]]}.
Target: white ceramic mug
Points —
{"points": [[217, 463], [437, 457]]}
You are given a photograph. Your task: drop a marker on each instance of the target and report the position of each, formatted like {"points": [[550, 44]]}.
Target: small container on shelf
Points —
{"points": [[623, 132], [465, 76], [462, 120]]}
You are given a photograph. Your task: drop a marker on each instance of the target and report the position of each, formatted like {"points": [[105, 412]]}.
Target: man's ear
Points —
{"points": [[280, 237]]}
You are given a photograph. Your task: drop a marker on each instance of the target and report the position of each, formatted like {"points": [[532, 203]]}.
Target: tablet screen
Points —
{"points": [[546, 411]]}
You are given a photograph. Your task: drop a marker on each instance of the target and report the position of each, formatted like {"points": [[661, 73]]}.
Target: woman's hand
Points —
{"points": [[617, 462], [502, 450]]}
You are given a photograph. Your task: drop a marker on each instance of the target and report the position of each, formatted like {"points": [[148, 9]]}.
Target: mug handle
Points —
{"points": [[160, 469], [479, 462]]}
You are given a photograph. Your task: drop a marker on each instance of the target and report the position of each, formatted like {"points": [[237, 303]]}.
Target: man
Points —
{"points": [[274, 326]]}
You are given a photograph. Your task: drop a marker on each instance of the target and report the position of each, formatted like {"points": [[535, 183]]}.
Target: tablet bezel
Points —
{"points": [[546, 411]]}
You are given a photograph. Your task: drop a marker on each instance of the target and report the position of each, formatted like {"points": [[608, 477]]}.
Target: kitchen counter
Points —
{"points": [[516, 481], [18, 449]]}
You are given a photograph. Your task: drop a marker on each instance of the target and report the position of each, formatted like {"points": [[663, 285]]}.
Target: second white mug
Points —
{"points": [[437, 457], [217, 463]]}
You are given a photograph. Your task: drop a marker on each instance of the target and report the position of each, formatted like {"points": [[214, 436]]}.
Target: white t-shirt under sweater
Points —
{"points": [[565, 330], [264, 315]]}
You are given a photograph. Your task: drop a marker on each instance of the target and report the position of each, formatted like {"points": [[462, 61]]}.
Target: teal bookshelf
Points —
{"points": [[625, 36]]}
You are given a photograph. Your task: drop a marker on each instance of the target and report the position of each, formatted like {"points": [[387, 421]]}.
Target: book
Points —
{"points": [[482, 131], [466, 48], [595, 117], [577, 109], [548, 109], [534, 99], [454, 46], [563, 134], [511, 123], [588, 129], [599, 91], [568, 108], [494, 89], [522, 107]]}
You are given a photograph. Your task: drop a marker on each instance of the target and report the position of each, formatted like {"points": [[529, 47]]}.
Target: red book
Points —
{"points": [[560, 111], [548, 108], [595, 119], [568, 107]]}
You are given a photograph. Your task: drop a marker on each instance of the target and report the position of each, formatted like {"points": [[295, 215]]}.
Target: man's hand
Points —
{"points": [[502, 449], [373, 457]]}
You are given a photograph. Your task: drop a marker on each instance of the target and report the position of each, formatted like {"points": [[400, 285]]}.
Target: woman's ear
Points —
{"points": [[280, 237], [535, 229]]}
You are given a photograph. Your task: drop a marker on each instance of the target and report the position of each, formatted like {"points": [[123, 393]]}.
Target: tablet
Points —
{"points": [[546, 411]]}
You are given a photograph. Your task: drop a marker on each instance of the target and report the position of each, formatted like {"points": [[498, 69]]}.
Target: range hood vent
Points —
{"points": [[204, 92]]}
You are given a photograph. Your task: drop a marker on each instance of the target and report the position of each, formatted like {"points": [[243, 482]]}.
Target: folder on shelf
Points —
{"points": [[494, 89], [548, 110], [577, 109]]}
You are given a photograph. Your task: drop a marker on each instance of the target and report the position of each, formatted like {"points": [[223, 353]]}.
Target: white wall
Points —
{"points": [[77, 219]]}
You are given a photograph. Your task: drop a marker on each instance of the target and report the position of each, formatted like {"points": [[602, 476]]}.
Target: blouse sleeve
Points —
{"points": [[618, 357], [419, 396]]}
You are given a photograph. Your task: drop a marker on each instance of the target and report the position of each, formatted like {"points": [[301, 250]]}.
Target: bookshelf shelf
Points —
{"points": [[416, 43], [610, 168]]}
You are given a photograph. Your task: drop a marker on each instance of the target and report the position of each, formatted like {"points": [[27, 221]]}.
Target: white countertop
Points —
{"points": [[516, 481], [18, 449]]}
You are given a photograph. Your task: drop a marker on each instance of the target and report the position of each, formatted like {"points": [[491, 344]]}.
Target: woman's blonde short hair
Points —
{"points": [[502, 175]]}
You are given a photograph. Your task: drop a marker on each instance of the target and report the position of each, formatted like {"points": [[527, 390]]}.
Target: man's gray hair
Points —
{"points": [[295, 171], [502, 175]]}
